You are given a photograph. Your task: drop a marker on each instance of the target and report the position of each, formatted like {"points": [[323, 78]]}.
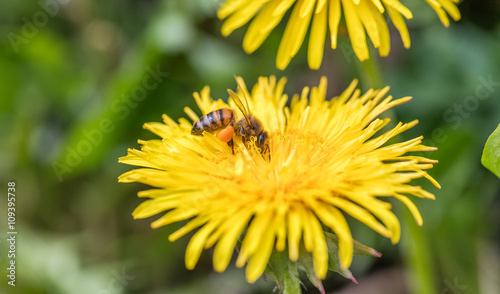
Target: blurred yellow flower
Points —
{"points": [[359, 16], [327, 158]]}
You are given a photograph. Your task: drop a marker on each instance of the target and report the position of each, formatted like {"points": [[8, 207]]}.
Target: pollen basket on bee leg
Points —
{"points": [[226, 134]]}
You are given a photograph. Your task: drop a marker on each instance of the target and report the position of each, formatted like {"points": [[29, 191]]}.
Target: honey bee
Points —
{"points": [[224, 122]]}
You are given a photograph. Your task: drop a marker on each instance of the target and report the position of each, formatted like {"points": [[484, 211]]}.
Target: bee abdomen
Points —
{"points": [[213, 121]]}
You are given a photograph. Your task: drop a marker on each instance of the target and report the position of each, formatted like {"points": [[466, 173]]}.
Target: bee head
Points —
{"points": [[262, 141]]}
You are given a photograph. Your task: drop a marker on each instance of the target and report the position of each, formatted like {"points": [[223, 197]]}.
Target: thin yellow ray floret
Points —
{"points": [[294, 34], [224, 248], [356, 30], [263, 24], [317, 38]]}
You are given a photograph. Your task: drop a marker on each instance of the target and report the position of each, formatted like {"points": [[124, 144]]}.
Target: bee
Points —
{"points": [[224, 122]]}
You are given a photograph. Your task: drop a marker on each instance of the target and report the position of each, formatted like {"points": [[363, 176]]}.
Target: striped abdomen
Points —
{"points": [[213, 121]]}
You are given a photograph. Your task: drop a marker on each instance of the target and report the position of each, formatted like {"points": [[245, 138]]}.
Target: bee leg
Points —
{"points": [[231, 144]]}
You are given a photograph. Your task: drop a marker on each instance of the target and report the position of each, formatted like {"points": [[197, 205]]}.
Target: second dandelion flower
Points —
{"points": [[361, 17]]}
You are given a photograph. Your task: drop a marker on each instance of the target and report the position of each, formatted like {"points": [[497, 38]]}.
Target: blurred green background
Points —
{"points": [[68, 71]]}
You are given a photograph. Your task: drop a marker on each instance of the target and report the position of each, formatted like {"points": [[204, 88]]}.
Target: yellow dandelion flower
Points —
{"points": [[326, 159], [360, 16]]}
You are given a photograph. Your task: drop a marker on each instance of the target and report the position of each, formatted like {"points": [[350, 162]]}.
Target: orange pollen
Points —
{"points": [[226, 134]]}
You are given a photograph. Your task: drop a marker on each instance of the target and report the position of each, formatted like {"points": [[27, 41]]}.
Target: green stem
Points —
{"points": [[418, 257], [369, 72]]}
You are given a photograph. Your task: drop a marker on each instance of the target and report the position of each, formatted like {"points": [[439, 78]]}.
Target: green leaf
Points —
{"points": [[491, 153]]}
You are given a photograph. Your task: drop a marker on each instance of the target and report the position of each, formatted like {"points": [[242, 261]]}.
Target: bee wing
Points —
{"points": [[242, 107]]}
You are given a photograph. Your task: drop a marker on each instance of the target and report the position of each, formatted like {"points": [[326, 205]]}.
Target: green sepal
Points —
{"points": [[284, 272], [307, 265], [491, 153], [359, 249], [269, 273], [333, 257]]}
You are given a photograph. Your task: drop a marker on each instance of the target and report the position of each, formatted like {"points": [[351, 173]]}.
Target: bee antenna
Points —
{"points": [[244, 94], [244, 108]]}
